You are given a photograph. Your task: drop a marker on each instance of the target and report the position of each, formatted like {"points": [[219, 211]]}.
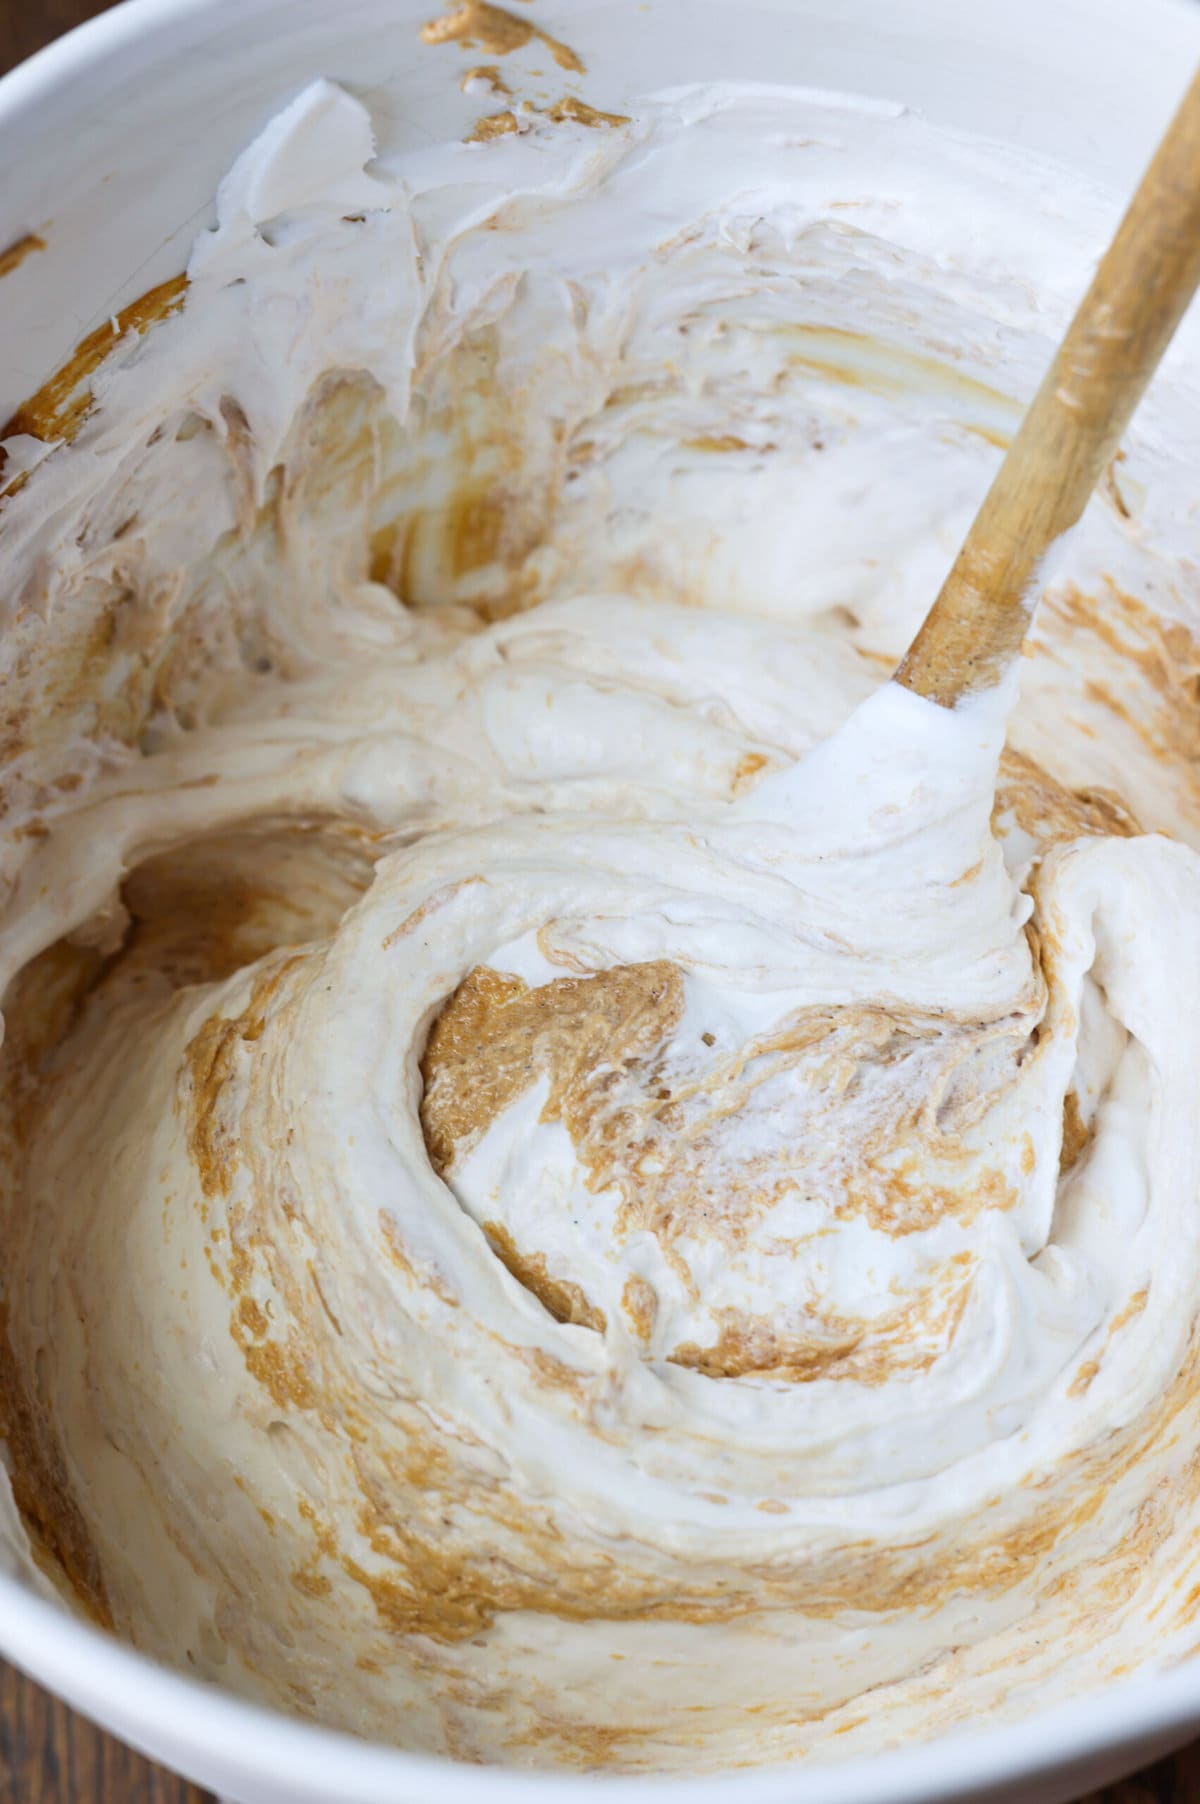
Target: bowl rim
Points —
{"points": [[93, 1670]]}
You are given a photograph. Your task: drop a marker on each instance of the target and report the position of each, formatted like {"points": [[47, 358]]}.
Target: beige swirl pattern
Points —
{"points": [[583, 1179]]}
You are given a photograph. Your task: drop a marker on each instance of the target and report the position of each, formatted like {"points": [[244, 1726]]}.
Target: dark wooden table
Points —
{"points": [[48, 1755]]}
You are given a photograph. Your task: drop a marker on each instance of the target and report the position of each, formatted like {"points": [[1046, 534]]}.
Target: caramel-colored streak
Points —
{"points": [[901, 1200], [565, 1301], [750, 766], [1076, 1132], [1152, 668], [717, 442], [902, 1342], [495, 31], [61, 405], [494, 125], [1131, 1311], [41, 1007], [1088, 1371], [1049, 812], [496, 1037], [42, 1487], [281, 1367], [639, 1300], [12, 258], [212, 1058], [568, 110], [488, 73], [580, 113]]}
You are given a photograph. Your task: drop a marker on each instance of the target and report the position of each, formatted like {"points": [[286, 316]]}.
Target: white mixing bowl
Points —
{"points": [[111, 146]]}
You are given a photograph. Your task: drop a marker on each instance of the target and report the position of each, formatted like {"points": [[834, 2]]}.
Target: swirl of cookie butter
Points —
{"points": [[583, 1179]]}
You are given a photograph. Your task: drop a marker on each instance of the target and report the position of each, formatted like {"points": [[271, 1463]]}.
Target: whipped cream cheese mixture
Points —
{"points": [[585, 1179]]}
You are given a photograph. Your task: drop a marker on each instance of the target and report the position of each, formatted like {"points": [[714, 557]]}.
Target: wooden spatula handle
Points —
{"points": [[1072, 429]]}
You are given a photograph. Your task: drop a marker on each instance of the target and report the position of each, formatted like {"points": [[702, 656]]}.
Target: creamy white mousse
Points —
{"points": [[583, 1179]]}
